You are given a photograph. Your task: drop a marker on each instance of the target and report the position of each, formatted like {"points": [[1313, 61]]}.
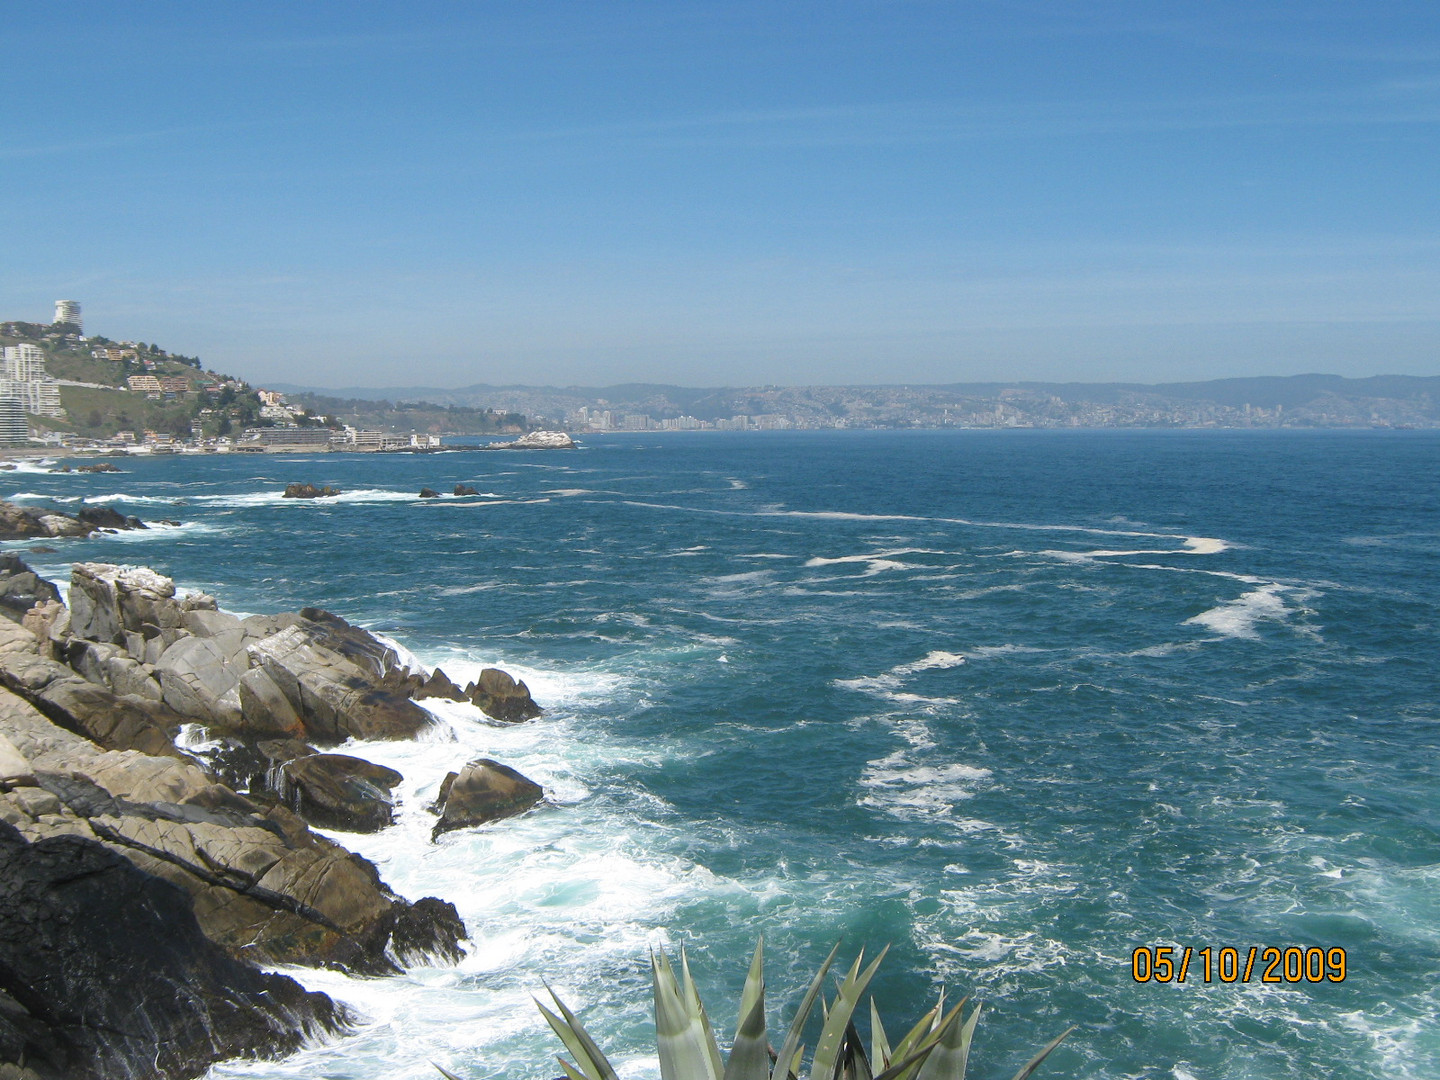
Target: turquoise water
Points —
{"points": [[1013, 703]]}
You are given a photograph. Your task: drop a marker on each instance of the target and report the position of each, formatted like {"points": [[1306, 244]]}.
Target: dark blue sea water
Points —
{"points": [[1014, 703]]}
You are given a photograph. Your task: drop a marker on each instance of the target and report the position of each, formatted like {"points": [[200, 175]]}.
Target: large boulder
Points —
{"points": [[337, 791], [484, 790], [113, 604], [501, 697], [201, 679], [104, 973], [330, 691], [21, 588]]}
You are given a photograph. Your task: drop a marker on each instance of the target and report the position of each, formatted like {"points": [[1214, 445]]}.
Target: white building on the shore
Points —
{"points": [[23, 379]]}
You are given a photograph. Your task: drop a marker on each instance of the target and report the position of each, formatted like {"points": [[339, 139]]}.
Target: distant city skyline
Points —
{"points": [[737, 193]]}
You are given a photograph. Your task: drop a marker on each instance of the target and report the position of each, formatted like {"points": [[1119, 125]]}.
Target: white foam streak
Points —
{"points": [[1238, 618]]}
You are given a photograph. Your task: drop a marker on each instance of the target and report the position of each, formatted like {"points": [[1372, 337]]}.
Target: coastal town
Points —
{"points": [[61, 390]]}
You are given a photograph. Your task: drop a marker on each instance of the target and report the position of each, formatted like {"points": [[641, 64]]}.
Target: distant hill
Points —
{"points": [[1298, 400]]}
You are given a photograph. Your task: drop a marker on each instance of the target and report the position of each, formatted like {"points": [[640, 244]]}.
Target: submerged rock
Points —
{"points": [[484, 790], [309, 491], [104, 973]]}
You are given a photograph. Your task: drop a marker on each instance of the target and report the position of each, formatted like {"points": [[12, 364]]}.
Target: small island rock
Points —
{"points": [[309, 491]]}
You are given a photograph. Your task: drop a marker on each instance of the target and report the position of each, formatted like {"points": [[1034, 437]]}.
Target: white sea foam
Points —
{"points": [[138, 500], [1239, 618], [875, 562]]}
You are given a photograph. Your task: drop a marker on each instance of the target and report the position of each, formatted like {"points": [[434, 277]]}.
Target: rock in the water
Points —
{"points": [[309, 491], [429, 493], [337, 791], [463, 490], [502, 698], [103, 517], [98, 467], [21, 588], [106, 973], [23, 522], [438, 685], [536, 440], [484, 790], [429, 929]]}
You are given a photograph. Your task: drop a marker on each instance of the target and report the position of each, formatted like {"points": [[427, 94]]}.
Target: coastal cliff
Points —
{"points": [[92, 783]]}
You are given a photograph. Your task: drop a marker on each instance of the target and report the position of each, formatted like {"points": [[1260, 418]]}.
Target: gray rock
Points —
{"points": [[484, 790], [199, 680], [337, 791], [502, 698]]}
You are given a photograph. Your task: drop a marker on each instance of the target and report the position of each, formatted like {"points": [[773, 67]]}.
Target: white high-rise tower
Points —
{"points": [[68, 311]]}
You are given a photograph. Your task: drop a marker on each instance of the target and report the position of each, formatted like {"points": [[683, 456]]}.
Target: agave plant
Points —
{"points": [[936, 1048]]}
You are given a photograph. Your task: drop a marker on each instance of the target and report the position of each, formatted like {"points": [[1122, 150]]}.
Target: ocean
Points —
{"points": [[1013, 703]]}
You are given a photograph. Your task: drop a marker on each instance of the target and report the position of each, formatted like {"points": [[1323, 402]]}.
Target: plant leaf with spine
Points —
{"points": [[696, 1008], [680, 1034], [788, 1053], [947, 1057], [1034, 1063], [827, 1050], [589, 1059], [879, 1044]]}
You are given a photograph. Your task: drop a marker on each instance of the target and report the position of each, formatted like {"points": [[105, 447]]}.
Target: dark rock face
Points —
{"points": [[429, 493], [502, 698], [428, 929], [309, 491], [21, 588], [264, 886], [102, 517], [484, 790], [105, 973], [98, 467], [337, 791], [465, 489], [22, 522], [438, 685]]}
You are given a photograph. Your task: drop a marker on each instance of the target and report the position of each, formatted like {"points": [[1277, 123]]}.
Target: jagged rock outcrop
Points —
{"points": [[264, 887], [337, 791], [463, 490], [310, 675], [21, 588], [429, 493], [309, 491], [79, 705], [484, 790], [98, 467], [105, 973], [438, 685], [22, 522], [502, 697]]}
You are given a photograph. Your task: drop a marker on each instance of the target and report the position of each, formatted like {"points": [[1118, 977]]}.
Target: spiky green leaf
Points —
{"points": [[750, 1056], [1034, 1063], [681, 1034], [787, 1063], [827, 1050], [947, 1058], [445, 1072], [879, 1044], [589, 1059]]}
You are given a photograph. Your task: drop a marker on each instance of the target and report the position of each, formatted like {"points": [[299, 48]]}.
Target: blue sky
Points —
{"points": [[731, 193]]}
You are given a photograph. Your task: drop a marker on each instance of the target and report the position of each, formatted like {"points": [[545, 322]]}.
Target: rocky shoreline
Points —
{"points": [[140, 884]]}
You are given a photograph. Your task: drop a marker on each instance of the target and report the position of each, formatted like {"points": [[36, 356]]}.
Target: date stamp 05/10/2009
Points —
{"points": [[1258, 963]]}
